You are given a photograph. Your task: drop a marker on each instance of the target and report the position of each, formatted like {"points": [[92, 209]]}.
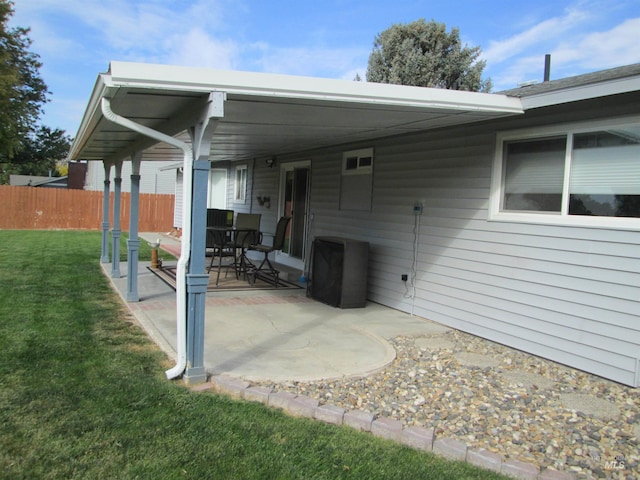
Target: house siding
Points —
{"points": [[565, 293], [152, 179], [178, 203]]}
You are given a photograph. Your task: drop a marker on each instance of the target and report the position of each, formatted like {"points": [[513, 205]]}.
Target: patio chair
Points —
{"points": [[247, 234], [219, 223], [278, 244]]}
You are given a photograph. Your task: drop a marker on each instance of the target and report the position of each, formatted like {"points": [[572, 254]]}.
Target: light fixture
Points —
{"points": [[270, 162]]}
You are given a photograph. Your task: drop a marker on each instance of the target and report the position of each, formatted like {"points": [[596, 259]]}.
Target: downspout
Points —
{"points": [[187, 179]]}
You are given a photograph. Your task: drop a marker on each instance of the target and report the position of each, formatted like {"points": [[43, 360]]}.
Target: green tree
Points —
{"points": [[23, 93], [39, 152], [423, 54]]}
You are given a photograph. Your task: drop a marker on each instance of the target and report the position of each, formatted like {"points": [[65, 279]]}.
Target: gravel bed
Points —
{"points": [[491, 396]]}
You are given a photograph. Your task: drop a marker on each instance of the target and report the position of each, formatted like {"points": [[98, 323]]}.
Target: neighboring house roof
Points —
{"points": [[579, 87], [265, 114], [37, 181]]}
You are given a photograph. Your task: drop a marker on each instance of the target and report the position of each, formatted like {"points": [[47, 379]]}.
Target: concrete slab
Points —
{"points": [[276, 335]]}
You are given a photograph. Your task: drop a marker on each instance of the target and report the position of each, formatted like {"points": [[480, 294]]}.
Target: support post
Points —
{"points": [[197, 280], [104, 256], [115, 232], [133, 243]]}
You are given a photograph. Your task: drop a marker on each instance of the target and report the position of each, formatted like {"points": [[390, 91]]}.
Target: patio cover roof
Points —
{"points": [[265, 114]]}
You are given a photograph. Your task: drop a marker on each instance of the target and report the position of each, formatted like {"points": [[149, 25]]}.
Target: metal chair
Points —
{"points": [[219, 223], [278, 243], [247, 234]]}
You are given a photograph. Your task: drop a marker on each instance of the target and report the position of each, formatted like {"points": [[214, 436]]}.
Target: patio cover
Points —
{"points": [[265, 114], [133, 107]]}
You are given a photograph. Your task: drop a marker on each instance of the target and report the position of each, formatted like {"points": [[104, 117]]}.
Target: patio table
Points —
{"points": [[234, 239]]}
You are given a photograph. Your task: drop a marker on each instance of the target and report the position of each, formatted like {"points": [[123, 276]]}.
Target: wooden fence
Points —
{"points": [[29, 208]]}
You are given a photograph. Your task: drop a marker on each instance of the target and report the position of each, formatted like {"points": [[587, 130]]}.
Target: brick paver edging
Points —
{"points": [[416, 437]]}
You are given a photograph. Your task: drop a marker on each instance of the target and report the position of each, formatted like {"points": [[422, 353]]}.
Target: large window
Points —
{"points": [[579, 173], [578, 176]]}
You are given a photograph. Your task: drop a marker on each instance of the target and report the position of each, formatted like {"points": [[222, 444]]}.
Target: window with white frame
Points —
{"points": [[357, 162], [573, 175], [240, 184]]}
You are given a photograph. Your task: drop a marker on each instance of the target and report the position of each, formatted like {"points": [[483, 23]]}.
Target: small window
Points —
{"points": [[240, 185], [583, 172], [358, 162]]}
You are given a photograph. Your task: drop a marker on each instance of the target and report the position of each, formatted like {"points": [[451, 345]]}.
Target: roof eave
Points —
{"points": [[583, 92]]}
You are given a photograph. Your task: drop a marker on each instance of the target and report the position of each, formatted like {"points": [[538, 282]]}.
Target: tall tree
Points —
{"points": [[23, 93], [423, 54]]}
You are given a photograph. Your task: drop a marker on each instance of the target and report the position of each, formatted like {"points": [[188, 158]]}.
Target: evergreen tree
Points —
{"points": [[423, 54]]}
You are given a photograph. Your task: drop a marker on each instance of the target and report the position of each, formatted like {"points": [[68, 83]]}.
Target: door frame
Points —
{"points": [[281, 257]]}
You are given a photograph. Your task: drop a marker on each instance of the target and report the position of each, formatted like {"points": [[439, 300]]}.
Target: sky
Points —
{"points": [[77, 39]]}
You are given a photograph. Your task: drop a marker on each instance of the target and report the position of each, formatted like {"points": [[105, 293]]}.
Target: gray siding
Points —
{"points": [[262, 181], [564, 293], [178, 203], [152, 179]]}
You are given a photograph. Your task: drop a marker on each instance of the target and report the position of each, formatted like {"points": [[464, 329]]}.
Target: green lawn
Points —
{"points": [[83, 392]]}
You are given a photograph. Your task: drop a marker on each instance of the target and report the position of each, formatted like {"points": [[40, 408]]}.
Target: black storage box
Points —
{"points": [[338, 275]]}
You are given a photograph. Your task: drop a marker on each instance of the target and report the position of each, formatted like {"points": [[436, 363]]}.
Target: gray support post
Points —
{"points": [[133, 243], [197, 280], [115, 233], [104, 256]]}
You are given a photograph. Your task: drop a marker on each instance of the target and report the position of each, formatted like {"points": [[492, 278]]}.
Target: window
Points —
{"points": [[579, 176], [357, 162], [240, 185]]}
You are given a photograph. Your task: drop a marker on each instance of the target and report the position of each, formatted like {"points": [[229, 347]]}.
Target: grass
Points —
{"points": [[83, 392]]}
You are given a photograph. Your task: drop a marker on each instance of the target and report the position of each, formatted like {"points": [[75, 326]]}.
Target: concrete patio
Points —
{"points": [[277, 335]]}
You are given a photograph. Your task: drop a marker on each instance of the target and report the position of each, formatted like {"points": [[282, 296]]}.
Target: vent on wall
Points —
{"points": [[357, 162]]}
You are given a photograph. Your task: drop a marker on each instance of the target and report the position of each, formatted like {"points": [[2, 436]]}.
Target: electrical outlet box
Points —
{"points": [[405, 277], [417, 208]]}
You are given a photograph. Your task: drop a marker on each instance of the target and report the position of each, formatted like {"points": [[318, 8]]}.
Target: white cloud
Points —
{"points": [[615, 47], [321, 62], [543, 32], [571, 41], [198, 49], [122, 26]]}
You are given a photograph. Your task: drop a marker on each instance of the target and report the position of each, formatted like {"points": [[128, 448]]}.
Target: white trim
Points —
{"points": [[144, 75], [496, 213]]}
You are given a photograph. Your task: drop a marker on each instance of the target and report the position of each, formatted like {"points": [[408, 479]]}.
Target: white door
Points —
{"points": [[217, 197]]}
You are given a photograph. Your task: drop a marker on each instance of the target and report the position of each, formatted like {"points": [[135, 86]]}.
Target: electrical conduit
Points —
{"points": [[181, 287]]}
